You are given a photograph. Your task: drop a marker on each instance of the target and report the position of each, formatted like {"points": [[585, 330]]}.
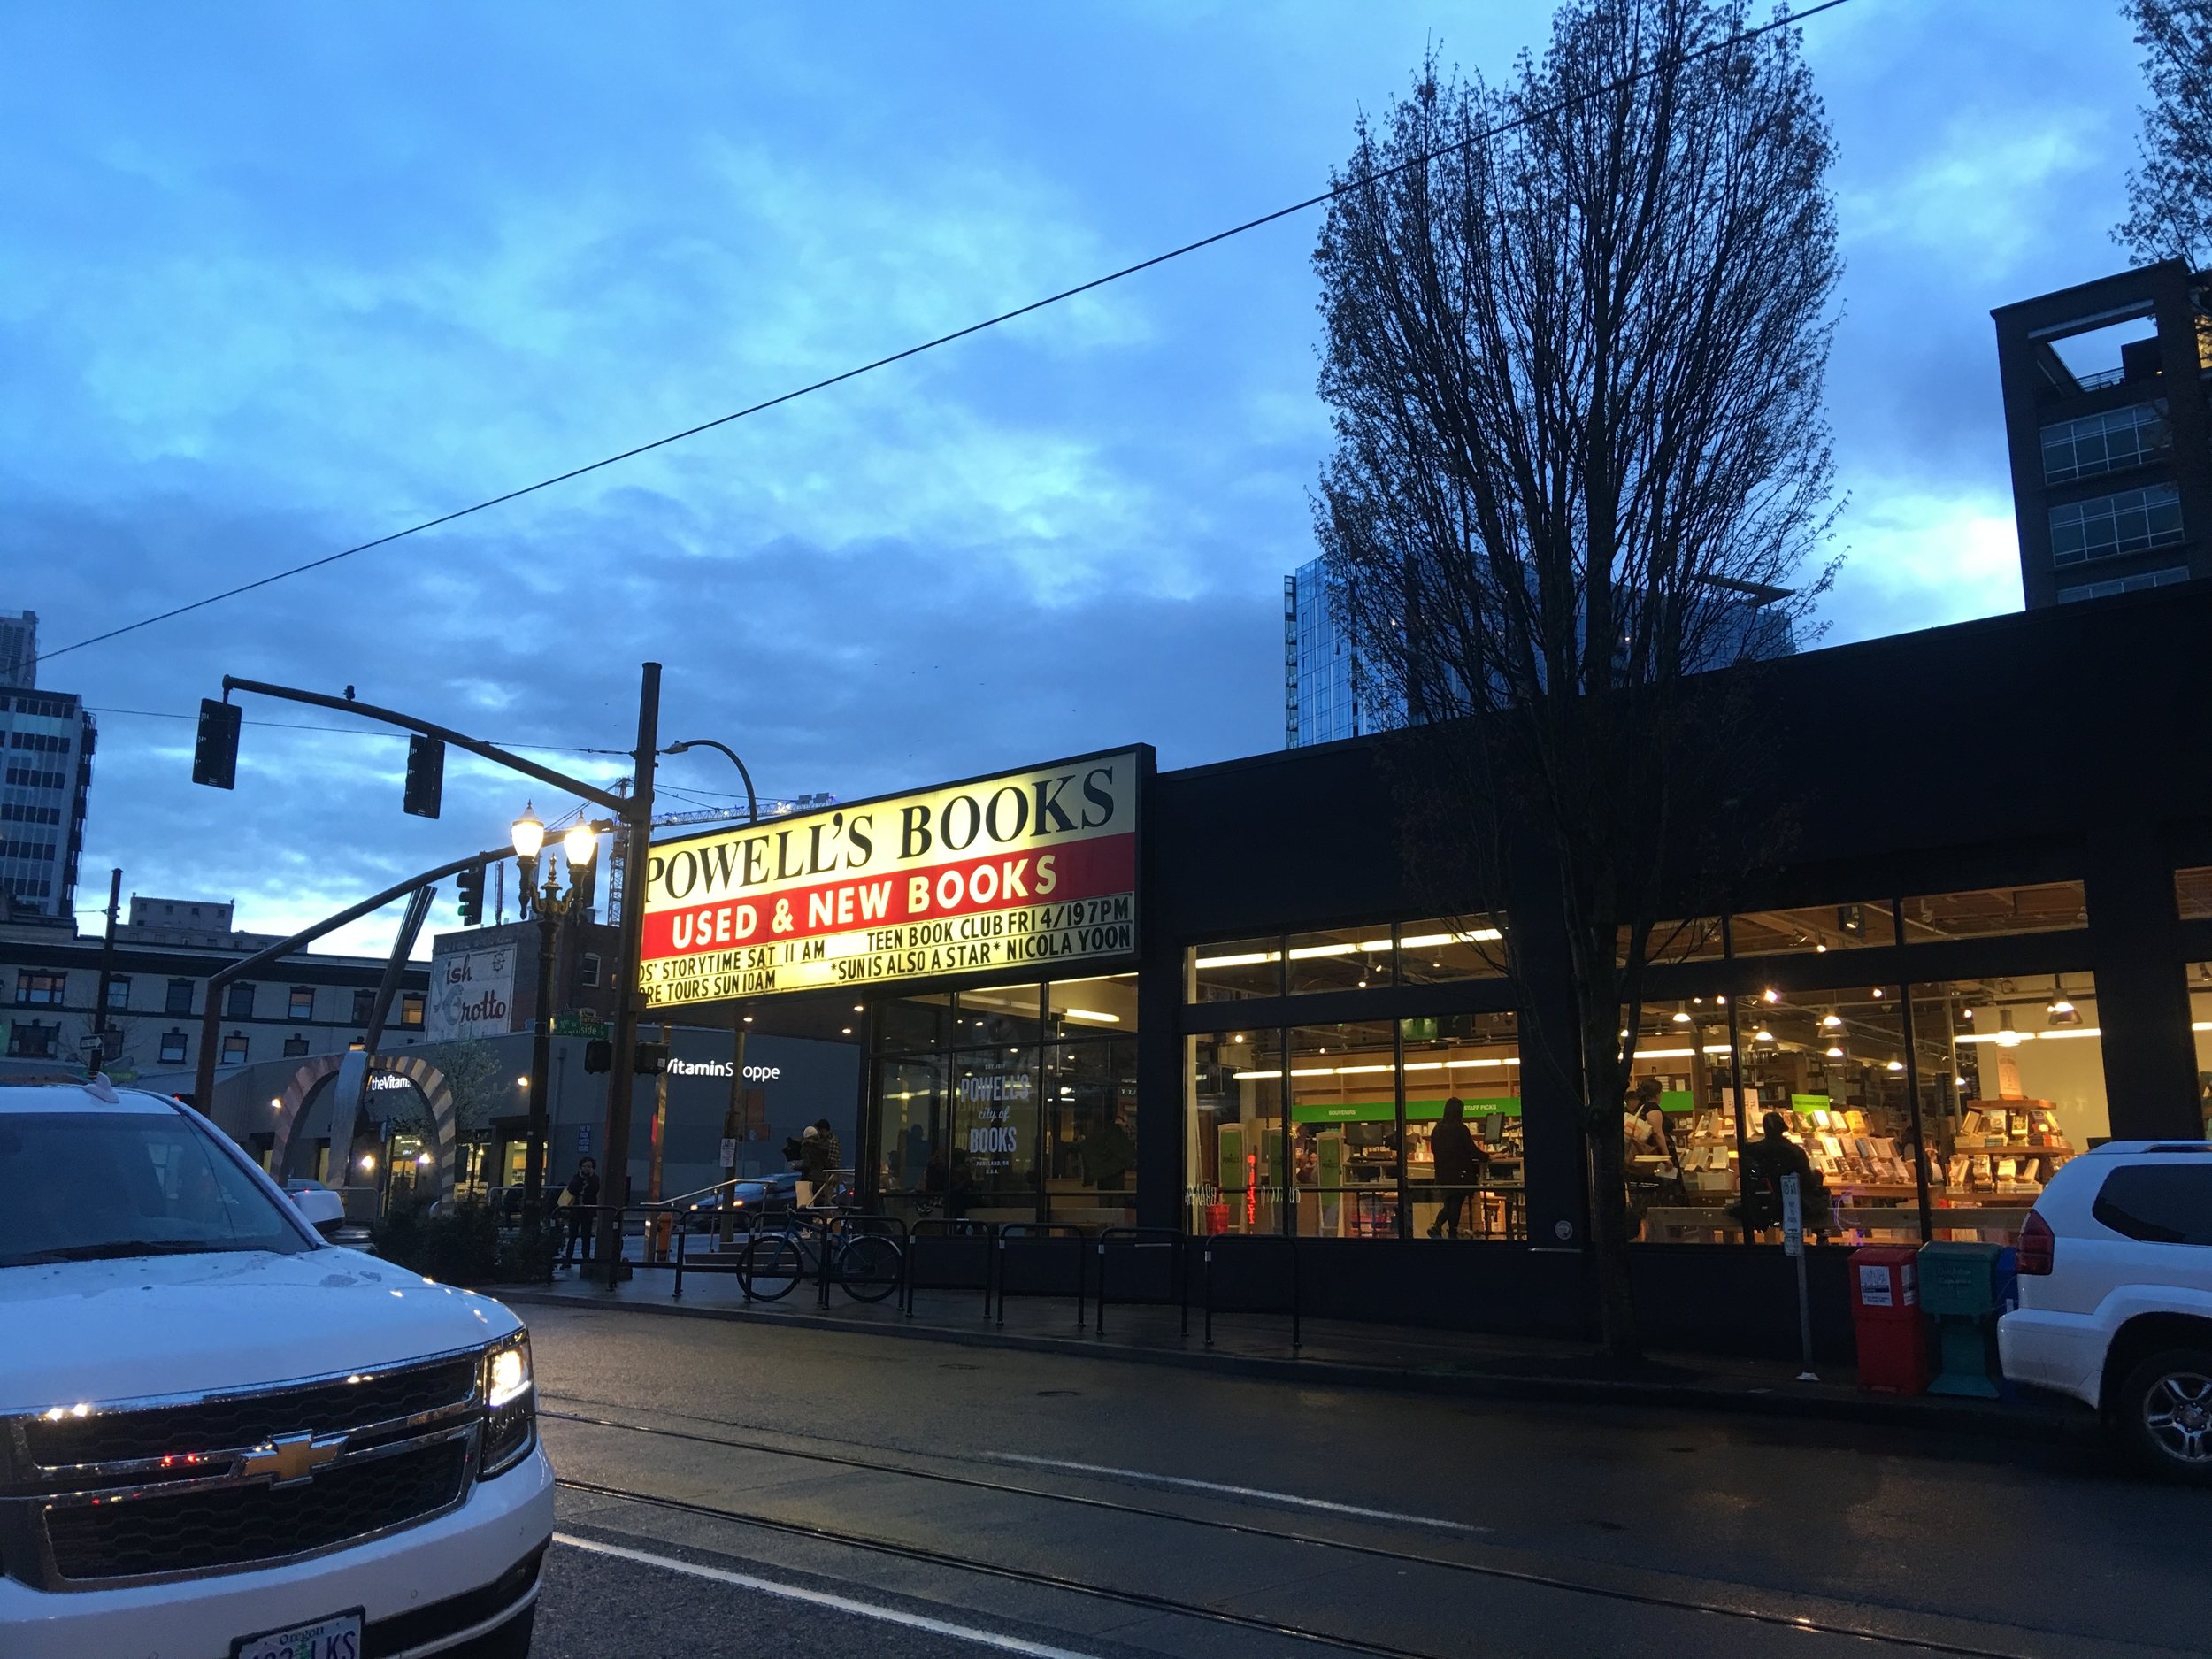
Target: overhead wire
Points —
{"points": [[1340, 188]]}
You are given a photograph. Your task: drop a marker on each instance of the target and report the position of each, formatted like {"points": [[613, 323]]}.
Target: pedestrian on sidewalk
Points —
{"points": [[578, 1201]]}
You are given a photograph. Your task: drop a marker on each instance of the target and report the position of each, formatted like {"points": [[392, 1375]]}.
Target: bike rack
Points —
{"points": [[1169, 1238], [854, 1227], [1255, 1243], [1045, 1233], [741, 1227], [949, 1228]]}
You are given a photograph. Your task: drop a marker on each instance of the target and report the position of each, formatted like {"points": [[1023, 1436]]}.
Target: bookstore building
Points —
{"points": [[1099, 994]]}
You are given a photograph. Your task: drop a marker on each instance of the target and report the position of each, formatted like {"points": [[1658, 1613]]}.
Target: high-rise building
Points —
{"points": [[2109, 435], [46, 744], [1326, 696], [19, 651], [1323, 699]]}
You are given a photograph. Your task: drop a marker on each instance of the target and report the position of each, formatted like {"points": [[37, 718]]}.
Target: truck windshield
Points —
{"points": [[88, 1186]]}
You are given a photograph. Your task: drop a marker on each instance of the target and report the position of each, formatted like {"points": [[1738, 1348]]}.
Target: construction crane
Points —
{"points": [[732, 814]]}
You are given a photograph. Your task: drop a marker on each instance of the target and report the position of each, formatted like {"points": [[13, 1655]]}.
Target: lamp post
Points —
{"points": [[551, 907], [752, 802]]}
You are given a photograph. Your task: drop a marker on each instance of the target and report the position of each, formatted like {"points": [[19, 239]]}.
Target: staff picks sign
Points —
{"points": [[1027, 871]]}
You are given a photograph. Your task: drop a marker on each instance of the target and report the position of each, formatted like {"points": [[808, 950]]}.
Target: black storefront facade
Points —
{"points": [[1988, 934]]}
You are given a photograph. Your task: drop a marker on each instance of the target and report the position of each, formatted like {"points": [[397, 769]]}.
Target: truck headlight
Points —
{"points": [[510, 1406]]}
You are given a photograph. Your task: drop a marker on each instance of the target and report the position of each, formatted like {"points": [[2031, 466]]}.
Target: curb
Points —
{"points": [[2038, 1423]]}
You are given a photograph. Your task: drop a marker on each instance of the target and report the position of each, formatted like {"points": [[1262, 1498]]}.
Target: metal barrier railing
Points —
{"points": [[1134, 1239], [1255, 1243], [1063, 1237], [949, 1231]]}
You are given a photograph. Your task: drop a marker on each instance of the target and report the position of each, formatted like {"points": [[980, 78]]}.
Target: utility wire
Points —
{"points": [[1329, 194], [349, 731]]}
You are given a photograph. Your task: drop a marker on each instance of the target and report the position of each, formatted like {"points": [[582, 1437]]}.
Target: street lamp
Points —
{"points": [[752, 804], [551, 907]]}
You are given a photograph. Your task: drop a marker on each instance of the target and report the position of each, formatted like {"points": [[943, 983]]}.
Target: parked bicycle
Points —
{"points": [[866, 1266]]}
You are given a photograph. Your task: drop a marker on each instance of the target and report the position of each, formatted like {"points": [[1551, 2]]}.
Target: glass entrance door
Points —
{"points": [[993, 1163]]}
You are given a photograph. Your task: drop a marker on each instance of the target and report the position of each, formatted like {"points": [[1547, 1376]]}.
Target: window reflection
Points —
{"points": [[1236, 1150]]}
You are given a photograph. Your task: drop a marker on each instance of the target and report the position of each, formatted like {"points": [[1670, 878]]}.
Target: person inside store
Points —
{"points": [[1107, 1155], [1459, 1159], [1654, 1173], [1765, 1162], [576, 1201]]}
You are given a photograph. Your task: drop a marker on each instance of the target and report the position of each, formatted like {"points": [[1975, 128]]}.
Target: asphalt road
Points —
{"points": [[743, 1489]]}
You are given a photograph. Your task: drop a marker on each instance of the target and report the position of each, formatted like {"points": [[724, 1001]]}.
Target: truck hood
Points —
{"points": [[99, 1331]]}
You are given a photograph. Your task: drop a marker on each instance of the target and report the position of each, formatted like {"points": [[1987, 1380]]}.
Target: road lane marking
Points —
{"points": [[824, 1597], [1149, 1479]]}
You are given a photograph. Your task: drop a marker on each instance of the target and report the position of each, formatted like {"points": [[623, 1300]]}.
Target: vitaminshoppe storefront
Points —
{"points": [[1095, 993]]}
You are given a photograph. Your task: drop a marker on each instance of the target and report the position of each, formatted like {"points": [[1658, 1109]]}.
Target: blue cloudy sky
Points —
{"points": [[278, 278]]}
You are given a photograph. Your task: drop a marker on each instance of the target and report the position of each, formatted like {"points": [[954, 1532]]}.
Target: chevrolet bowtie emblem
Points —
{"points": [[293, 1458]]}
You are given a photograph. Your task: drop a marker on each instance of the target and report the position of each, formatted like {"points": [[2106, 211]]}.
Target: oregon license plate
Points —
{"points": [[335, 1637]]}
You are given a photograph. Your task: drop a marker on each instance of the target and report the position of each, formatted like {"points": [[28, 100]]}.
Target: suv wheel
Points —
{"points": [[2165, 1411]]}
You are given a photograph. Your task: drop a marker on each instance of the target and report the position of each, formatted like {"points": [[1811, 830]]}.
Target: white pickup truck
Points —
{"points": [[223, 1438]]}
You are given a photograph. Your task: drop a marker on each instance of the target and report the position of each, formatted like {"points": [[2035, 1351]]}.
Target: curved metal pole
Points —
{"points": [[752, 802]]}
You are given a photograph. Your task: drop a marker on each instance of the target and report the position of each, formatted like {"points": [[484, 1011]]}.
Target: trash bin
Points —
{"points": [[1885, 1314], [1962, 1288]]}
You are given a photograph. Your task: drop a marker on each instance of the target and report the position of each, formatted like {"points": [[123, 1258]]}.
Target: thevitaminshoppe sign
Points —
{"points": [[1025, 873]]}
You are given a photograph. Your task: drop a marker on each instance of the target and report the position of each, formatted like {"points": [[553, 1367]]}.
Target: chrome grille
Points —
{"points": [[249, 1418], [151, 1489]]}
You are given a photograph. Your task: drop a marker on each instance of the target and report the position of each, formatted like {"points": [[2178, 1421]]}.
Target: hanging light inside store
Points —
{"points": [[1771, 995], [1835, 1051], [1763, 1035], [1832, 1020], [2007, 1038], [1896, 1065], [1681, 1015], [2060, 1010]]}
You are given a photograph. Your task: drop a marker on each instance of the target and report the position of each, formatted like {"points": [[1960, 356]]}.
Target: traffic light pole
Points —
{"points": [[211, 1015], [637, 811], [215, 760]]}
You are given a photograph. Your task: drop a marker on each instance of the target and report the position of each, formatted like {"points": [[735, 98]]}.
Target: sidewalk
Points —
{"points": [[1332, 1353]]}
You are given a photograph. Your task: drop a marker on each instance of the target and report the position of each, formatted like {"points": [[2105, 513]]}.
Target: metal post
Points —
{"points": [[533, 1153], [100, 1055], [655, 1245], [1793, 1243], [638, 834], [733, 1128]]}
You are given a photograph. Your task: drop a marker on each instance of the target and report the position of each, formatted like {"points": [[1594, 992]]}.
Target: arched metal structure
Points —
{"points": [[436, 1093]]}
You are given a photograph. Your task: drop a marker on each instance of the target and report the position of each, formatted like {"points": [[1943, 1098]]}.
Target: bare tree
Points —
{"points": [[2169, 196], [1577, 328]]}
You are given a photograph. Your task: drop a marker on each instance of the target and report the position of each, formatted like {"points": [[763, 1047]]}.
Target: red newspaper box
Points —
{"points": [[1886, 1312]]}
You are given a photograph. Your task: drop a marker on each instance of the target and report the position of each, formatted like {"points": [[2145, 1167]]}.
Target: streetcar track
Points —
{"points": [[1019, 1575], [1512, 1575]]}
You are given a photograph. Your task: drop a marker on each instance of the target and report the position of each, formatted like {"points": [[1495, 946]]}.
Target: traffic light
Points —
{"points": [[651, 1060], [426, 776], [599, 1054], [215, 751], [468, 890]]}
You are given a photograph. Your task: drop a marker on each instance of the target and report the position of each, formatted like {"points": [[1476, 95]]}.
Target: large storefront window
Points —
{"points": [[1012, 1102], [2041, 907], [1088, 1139], [1678, 1124], [1236, 970], [1469, 1186], [1814, 931], [1833, 1065], [1236, 1150], [1348, 960], [2026, 1093], [1450, 948], [1344, 1122]]}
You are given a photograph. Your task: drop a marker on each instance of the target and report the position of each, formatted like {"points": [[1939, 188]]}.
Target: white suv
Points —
{"points": [[221, 1437], [2115, 1297]]}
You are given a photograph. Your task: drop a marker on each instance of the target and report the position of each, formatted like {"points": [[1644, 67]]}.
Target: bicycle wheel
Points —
{"points": [[768, 1266], [868, 1267]]}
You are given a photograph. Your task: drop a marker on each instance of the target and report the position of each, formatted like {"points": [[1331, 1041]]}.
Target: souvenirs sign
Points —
{"points": [[1024, 871]]}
